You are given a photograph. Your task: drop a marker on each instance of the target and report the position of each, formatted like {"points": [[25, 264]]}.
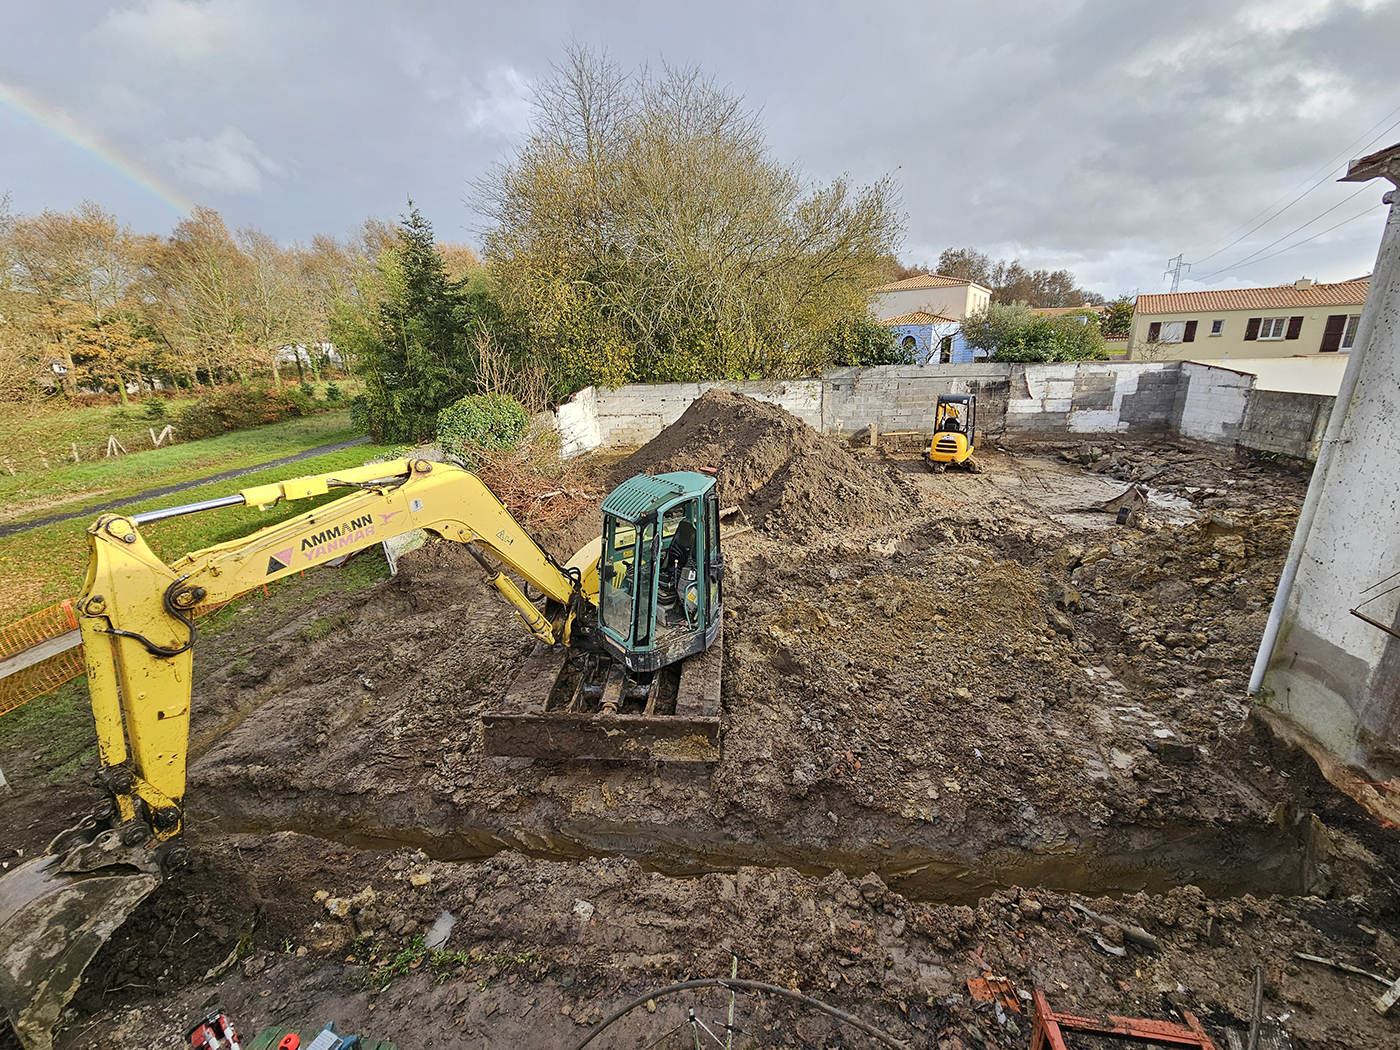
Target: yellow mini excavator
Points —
{"points": [[635, 605], [955, 434]]}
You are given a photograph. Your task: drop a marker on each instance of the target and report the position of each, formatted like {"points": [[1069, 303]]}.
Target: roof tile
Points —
{"points": [[1280, 297], [916, 317], [923, 280]]}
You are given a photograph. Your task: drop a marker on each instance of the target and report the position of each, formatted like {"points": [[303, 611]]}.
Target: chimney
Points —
{"points": [[1302, 284]]}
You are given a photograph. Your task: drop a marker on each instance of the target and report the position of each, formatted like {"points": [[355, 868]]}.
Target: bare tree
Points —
{"points": [[87, 266], [644, 229]]}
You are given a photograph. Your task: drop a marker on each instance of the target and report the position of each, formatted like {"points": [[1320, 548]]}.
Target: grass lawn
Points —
{"points": [[46, 565], [35, 492]]}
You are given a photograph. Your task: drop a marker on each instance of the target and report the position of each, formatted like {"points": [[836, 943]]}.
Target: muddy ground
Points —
{"points": [[951, 715]]}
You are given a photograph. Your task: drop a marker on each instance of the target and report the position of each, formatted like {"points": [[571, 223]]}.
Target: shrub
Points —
{"points": [[481, 423], [237, 408], [333, 393], [155, 409], [1010, 332], [308, 390]]}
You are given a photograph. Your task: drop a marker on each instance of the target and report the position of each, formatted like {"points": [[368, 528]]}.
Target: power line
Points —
{"points": [[1290, 233], [1305, 240], [1325, 171]]}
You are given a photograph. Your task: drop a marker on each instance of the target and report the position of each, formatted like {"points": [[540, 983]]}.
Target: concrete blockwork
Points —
{"points": [[1135, 399]]}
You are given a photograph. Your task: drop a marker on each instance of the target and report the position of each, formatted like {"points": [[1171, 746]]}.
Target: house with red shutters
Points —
{"points": [[1303, 318]]}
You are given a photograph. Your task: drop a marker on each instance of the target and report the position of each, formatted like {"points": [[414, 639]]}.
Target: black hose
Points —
{"points": [[748, 986]]}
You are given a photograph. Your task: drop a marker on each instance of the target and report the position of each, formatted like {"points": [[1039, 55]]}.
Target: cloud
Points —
{"points": [[178, 30], [230, 162], [502, 105]]}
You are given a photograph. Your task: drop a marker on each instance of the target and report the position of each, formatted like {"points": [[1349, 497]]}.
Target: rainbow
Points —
{"points": [[66, 127]]}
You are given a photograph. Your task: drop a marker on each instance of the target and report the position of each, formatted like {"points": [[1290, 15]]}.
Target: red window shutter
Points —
{"points": [[1332, 334], [1189, 336], [1251, 328], [1154, 330], [1295, 328]]}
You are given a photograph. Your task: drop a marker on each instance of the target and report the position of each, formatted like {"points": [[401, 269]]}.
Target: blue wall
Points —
{"points": [[925, 343]]}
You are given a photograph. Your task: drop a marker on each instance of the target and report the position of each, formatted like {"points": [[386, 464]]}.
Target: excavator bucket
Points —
{"points": [[55, 913]]}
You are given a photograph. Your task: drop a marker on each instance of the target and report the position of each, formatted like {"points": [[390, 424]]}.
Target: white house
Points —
{"points": [[926, 313]]}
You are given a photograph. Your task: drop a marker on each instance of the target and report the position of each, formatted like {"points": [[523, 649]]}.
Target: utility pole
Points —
{"points": [[1174, 267]]}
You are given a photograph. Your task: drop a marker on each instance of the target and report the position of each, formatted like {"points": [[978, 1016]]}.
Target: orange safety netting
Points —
{"points": [[40, 678], [37, 627], [44, 677]]}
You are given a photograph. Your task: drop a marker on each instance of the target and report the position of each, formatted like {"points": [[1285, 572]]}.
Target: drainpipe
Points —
{"points": [[1384, 164]]}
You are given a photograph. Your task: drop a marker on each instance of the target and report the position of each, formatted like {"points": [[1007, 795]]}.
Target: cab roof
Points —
{"points": [[644, 494], [955, 399]]}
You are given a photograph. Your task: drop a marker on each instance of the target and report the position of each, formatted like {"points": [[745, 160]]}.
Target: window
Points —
{"points": [[1349, 334], [1172, 332], [945, 350], [1273, 328], [1217, 327], [908, 343]]}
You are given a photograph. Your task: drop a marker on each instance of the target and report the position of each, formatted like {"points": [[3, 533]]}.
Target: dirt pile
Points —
{"points": [[783, 473]]}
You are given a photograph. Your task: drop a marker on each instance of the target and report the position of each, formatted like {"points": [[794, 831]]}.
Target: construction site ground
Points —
{"points": [[958, 709]]}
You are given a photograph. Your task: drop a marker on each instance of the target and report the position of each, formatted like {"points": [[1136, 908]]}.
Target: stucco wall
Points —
{"points": [[956, 301], [1231, 343], [1211, 402], [1330, 672]]}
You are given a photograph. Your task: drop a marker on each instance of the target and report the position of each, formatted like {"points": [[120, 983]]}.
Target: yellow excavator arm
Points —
{"points": [[136, 612], [137, 619]]}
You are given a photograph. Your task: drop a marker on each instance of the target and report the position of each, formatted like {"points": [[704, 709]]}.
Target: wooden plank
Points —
{"points": [[37, 654]]}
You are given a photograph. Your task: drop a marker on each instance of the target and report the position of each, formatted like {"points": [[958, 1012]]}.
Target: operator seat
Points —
{"points": [[678, 557]]}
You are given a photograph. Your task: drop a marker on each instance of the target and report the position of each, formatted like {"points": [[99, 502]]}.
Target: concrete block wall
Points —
{"points": [[904, 397], [1134, 398], [1211, 402], [1292, 424]]}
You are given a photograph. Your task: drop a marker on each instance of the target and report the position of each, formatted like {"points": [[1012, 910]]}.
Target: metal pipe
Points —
{"points": [[1381, 281], [149, 516]]}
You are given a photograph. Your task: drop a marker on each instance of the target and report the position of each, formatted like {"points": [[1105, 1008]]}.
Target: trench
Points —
{"points": [[1288, 854]]}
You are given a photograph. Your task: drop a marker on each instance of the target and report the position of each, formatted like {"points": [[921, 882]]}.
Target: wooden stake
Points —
{"points": [[75, 453], [44, 458], [10, 467]]}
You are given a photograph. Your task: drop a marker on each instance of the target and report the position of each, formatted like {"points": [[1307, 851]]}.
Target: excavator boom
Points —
{"points": [[136, 614]]}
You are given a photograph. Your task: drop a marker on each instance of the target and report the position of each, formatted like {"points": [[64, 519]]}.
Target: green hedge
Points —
{"points": [[238, 408], [481, 422]]}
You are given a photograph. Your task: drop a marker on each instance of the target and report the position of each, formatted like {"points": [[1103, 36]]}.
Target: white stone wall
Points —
{"points": [[578, 424], [1213, 402], [1086, 397]]}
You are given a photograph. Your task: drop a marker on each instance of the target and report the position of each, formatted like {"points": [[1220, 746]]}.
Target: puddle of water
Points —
{"points": [[440, 930]]}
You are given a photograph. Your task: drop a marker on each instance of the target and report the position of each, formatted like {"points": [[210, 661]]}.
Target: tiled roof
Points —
{"points": [[1281, 297], [917, 317], [922, 281]]}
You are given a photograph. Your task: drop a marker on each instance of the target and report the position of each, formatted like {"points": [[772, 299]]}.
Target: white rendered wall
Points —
{"points": [[1331, 673]]}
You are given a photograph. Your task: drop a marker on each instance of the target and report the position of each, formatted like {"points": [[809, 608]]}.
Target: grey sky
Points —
{"points": [[1103, 135]]}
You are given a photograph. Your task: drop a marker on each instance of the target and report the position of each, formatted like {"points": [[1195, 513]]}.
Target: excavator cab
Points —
{"points": [[955, 433], [659, 588]]}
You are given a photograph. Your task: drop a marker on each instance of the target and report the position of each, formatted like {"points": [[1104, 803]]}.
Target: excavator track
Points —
{"points": [[532, 723]]}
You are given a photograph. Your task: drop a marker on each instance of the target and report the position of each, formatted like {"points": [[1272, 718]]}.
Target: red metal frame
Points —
{"points": [[1050, 1026]]}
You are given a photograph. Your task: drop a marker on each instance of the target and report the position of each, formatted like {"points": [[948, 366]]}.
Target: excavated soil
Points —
{"points": [[784, 474], [943, 731]]}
